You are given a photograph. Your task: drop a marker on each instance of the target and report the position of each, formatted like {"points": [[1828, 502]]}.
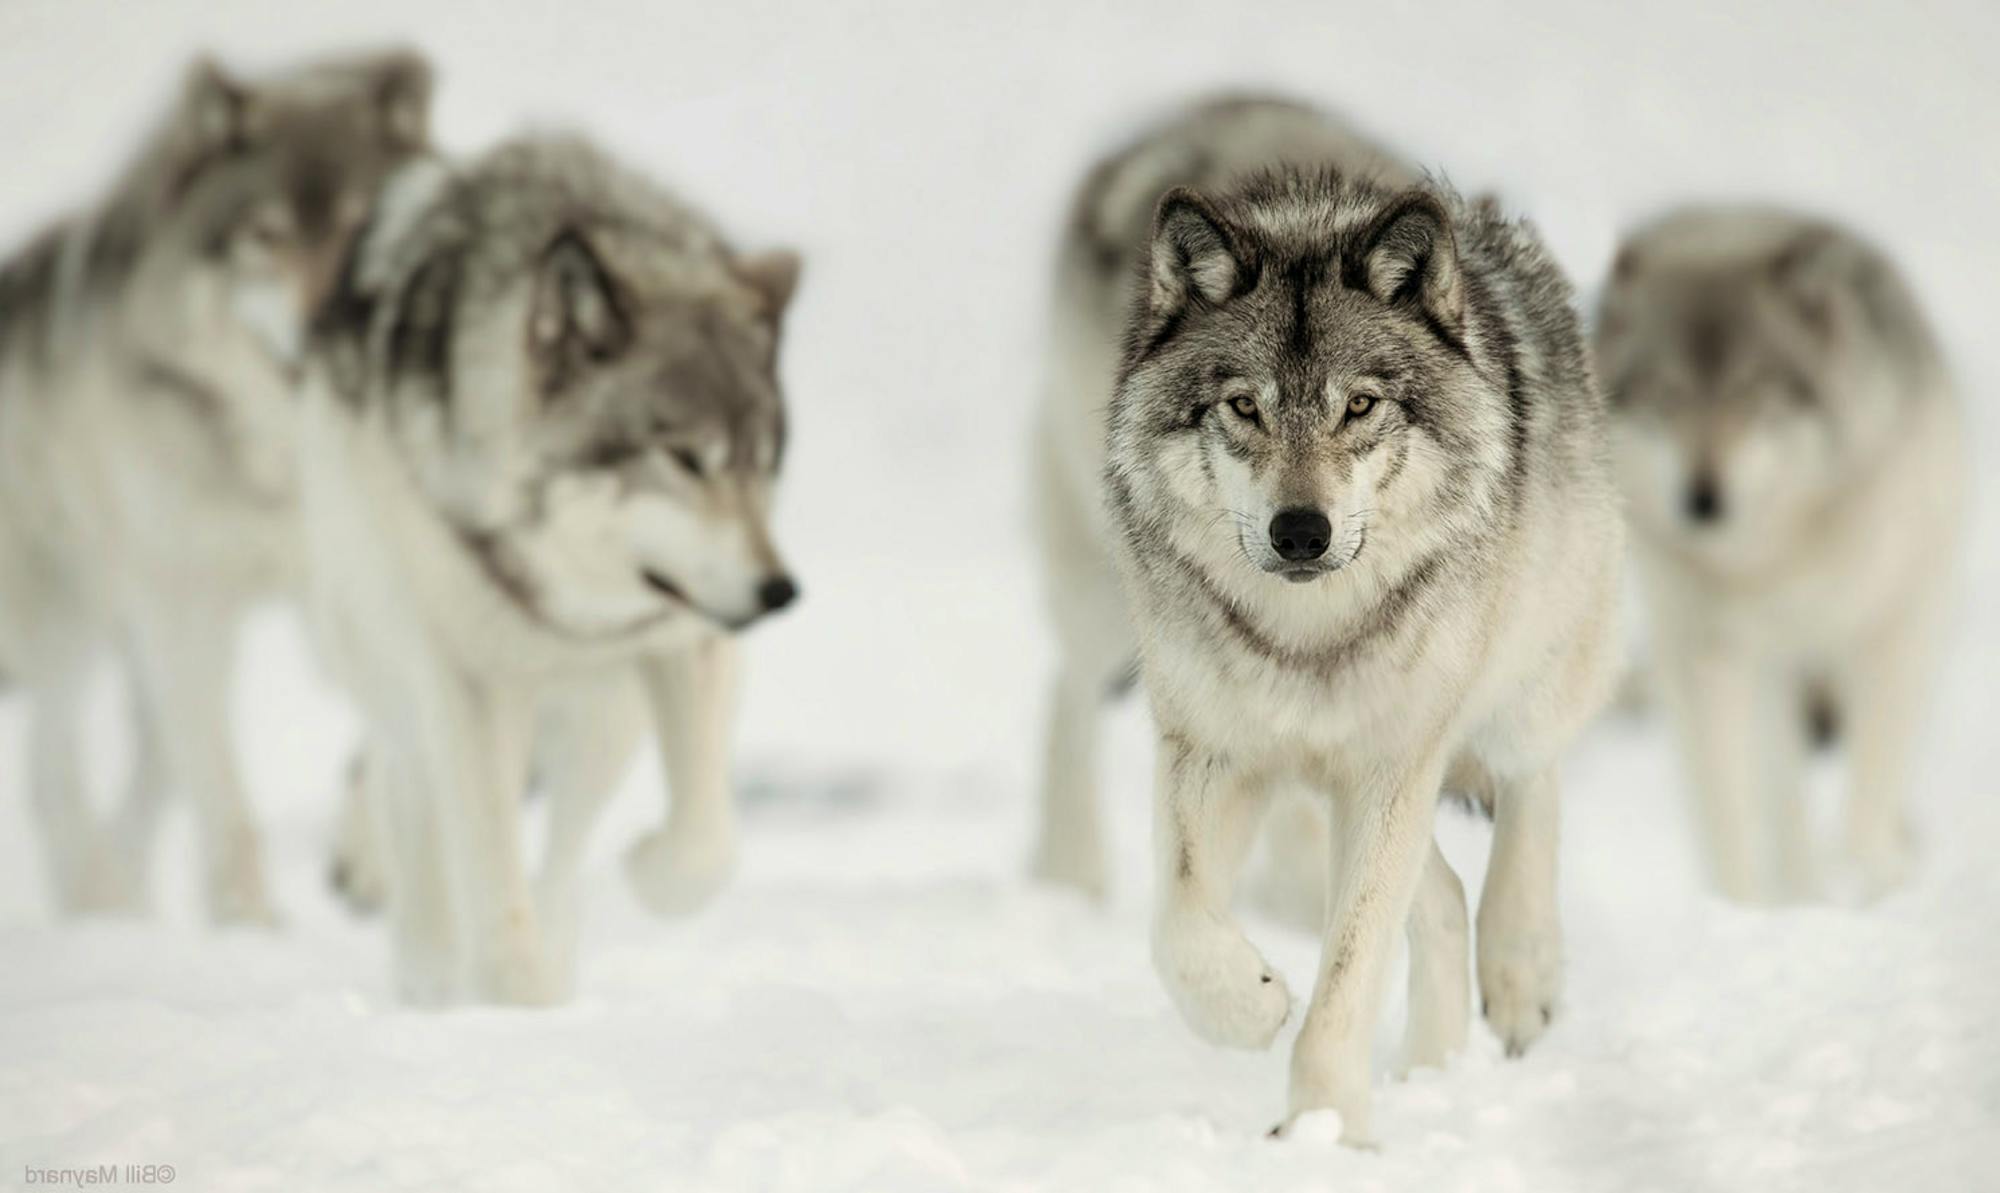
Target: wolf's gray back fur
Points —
{"points": [[1788, 443], [1208, 145], [146, 352]]}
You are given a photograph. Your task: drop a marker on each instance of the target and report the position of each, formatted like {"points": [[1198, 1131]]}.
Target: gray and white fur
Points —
{"points": [[147, 353], [542, 430], [1361, 508], [1208, 145], [1788, 442]]}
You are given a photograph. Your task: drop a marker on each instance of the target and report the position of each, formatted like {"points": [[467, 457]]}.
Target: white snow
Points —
{"points": [[880, 1001]]}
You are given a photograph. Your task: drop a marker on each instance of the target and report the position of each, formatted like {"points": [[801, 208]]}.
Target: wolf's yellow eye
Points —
{"points": [[1245, 406], [1360, 404]]}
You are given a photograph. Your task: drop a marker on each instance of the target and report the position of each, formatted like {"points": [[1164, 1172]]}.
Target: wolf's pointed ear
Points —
{"points": [[218, 111], [403, 97], [774, 277], [578, 317], [1408, 255], [1196, 255], [1811, 271]]}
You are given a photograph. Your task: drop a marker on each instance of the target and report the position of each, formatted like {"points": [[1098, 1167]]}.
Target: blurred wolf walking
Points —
{"points": [[1110, 220], [147, 354], [1789, 445], [542, 431]]}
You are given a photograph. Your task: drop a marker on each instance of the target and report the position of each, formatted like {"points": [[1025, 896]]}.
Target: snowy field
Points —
{"points": [[880, 1001]]}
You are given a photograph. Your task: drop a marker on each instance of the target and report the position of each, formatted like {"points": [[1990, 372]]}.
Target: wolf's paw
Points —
{"points": [[521, 979], [1878, 864], [1520, 974], [674, 875], [1221, 983], [101, 884], [236, 893], [1061, 861]]}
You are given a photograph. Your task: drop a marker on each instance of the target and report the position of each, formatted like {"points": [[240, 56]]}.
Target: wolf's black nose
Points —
{"points": [[1704, 500], [1300, 535], [777, 592]]}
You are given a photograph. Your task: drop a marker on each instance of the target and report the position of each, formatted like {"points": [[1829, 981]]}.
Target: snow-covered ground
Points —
{"points": [[880, 1001]]}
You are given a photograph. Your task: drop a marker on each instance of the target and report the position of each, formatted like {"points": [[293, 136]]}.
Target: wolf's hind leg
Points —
{"points": [[1440, 997], [1069, 849], [680, 866], [1203, 821], [1520, 935]]}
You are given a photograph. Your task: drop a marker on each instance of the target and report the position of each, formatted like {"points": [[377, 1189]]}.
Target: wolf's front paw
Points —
{"points": [[1064, 861], [236, 893], [104, 883], [674, 875], [1520, 974], [1221, 983]]}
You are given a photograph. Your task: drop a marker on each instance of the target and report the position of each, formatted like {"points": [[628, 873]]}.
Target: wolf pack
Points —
{"points": [[1327, 463]]}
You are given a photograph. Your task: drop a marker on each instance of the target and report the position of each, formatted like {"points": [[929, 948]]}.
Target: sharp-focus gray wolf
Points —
{"points": [[1788, 442], [147, 351], [1207, 146], [1362, 512], [542, 426]]}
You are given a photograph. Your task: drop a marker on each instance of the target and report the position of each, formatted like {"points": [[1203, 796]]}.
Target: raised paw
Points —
{"points": [[1221, 983], [674, 875]]}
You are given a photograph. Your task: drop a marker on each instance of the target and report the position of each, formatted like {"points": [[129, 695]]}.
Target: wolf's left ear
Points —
{"points": [[774, 277], [218, 111], [403, 97], [1811, 271], [1408, 254], [1196, 255], [578, 317]]}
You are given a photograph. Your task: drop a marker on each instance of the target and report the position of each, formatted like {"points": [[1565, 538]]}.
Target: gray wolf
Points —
{"points": [[1788, 442], [542, 429], [1360, 503], [147, 351], [1207, 145]]}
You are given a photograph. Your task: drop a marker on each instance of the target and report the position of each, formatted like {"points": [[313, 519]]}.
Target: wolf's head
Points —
{"points": [[245, 204], [1300, 376], [1740, 353], [586, 377]]}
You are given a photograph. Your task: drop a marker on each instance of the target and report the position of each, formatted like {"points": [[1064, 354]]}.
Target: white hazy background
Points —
{"points": [[881, 1002]]}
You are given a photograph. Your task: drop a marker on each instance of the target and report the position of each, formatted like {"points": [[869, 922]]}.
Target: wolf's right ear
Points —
{"points": [[217, 111], [578, 317], [1196, 255], [403, 97]]}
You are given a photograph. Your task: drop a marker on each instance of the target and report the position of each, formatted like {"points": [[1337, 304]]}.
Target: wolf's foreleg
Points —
{"points": [[1381, 842], [1204, 816], [681, 865], [1882, 691], [184, 648], [1715, 701], [1520, 934], [1440, 996]]}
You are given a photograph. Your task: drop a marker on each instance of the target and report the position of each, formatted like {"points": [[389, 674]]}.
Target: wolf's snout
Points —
{"points": [[1300, 534], [1704, 500], [777, 592]]}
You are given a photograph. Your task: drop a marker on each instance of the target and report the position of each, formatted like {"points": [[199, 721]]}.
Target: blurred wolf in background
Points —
{"points": [[147, 354], [1361, 506], [1788, 441], [542, 430], [1206, 146]]}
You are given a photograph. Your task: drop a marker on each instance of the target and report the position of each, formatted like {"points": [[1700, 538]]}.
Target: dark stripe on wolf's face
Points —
{"points": [[420, 338]]}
